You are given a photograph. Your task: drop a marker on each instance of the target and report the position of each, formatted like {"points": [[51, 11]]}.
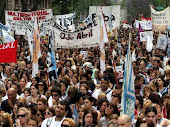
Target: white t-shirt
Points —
{"points": [[50, 122]]}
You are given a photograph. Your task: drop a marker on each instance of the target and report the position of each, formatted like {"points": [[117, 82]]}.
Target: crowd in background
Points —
{"points": [[82, 95]]}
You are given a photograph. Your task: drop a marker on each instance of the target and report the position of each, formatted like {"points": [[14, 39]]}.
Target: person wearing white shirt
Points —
{"points": [[56, 121]]}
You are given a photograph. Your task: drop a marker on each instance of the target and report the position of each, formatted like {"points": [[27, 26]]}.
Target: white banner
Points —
{"points": [[111, 15], [21, 21], [84, 54], [161, 42], [146, 25], [65, 20], [85, 37], [143, 35], [119, 70], [160, 19]]}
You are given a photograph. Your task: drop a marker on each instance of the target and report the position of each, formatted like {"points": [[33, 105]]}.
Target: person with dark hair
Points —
{"points": [[32, 121], [101, 105], [161, 86], [139, 104], [90, 118], [42, 87], [61, 111], [144, 122], [49, 112], [151, 113], [55, 95], [104, 88], [110, 109]]}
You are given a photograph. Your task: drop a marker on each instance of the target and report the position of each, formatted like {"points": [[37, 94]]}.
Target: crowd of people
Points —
{"points": [[83, 96]]}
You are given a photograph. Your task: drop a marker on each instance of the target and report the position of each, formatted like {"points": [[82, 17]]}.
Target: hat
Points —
{"points": [[88, 64]]}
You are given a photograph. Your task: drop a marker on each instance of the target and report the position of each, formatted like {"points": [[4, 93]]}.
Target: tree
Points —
{"points": [[2, 11]]}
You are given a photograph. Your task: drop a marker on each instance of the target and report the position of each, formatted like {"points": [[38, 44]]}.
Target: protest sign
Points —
{"points": [[161, 42], [160, 19], [84, 37], [65, 20], [119, 70], [111, 15], [146, 25], [143, 35], [23, 21], [84, 54]]}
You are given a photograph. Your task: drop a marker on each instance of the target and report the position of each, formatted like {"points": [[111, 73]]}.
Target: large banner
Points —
{"points": [[160, 19], [88, 36], [111, 15], [66, 20], [23, 21], [146, 25]]}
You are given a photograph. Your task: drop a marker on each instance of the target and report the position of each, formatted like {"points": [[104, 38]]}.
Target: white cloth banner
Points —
{"points": [[149, 44], [111, 14], [21, 21], [146, 25], [7, 37], [143, 35], [160, 19], [66, 21], [161, 42], [86, 37]]}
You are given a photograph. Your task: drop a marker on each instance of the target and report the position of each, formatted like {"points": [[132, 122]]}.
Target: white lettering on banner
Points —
{"points": [[84, 37], [160, 19], [22, 21], [111, 14], [6, 46]]}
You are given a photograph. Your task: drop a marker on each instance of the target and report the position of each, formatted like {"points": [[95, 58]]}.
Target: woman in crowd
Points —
{"points": [[22, 115], [49, 112], [90, 118], [101, 105], [110, 109], [68, 122], [81, 111], [144, 122], [42, 87], [161, 86], [33, 121], [6, 120]]}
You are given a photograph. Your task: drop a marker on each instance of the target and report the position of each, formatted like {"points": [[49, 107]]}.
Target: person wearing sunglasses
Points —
{"points": [[68, 122], [55, 95], [49, 112], [61, 111], [22, 117]]}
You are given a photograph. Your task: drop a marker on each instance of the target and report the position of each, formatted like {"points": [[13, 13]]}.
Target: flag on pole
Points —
{"points": [[128, 94], [36, 49], [51, 61], [103, 40]]}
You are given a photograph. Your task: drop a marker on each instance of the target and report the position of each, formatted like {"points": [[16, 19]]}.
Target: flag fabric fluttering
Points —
{"points": [[128, 94], [51, 61], [103, 40], [36, 49]]}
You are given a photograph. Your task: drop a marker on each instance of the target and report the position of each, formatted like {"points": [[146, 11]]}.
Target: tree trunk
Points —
{"points": [[35, 5], [24, 6]]}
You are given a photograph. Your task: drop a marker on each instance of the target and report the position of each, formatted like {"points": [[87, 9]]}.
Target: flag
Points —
{"points": [[7, 37], [51, 61], [149, 44], [8, 52], [36, 49], [103, 40], [44, 39], [128, 94], [140, 30]]}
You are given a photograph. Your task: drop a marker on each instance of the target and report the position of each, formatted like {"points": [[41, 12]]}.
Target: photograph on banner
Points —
{"points": [[160, 19], [84, 38], [162, 42], [66, 21], [111, 15], [146, 25], [119, 70], [21, 21], [143, 35]]}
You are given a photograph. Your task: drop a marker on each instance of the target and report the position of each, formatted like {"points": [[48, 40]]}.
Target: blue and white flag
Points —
{"points": [[51, 62], [128, 94]]}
